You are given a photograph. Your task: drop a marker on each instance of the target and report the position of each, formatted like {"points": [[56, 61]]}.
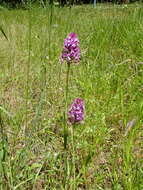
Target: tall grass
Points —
{"points": [[109, 147]]}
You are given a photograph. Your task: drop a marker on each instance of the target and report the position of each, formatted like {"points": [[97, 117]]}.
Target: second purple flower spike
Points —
{"points": [[76, 111], [71, 50]]}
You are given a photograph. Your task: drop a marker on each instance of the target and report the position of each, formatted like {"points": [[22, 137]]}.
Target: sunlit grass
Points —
{"points": [[109, 148]]}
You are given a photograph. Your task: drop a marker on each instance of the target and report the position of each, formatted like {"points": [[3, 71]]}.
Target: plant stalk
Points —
{"points": [[65, 125]]}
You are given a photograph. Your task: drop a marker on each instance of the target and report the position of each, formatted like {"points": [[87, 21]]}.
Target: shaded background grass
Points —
{"points": [[109, 149]]}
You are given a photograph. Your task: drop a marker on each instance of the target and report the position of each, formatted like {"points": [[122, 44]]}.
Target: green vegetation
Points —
{"points": [[108, 147]]}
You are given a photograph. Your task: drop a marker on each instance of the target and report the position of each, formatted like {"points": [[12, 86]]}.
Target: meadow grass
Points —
{"points": [[108, 147]]}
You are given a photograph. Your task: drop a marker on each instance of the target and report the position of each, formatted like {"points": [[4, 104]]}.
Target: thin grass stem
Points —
{"points": [[28, 70]]}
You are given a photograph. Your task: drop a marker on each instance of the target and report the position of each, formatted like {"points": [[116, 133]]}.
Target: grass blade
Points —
{"points": [[3, 32]]}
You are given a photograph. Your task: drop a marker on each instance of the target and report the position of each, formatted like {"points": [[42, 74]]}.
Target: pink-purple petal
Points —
{"points": [[71, 50], [76, 111]]}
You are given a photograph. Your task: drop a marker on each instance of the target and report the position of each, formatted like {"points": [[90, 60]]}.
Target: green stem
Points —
{"points": [[27, 72], [65, 125], [66, 106], [67, 82], [73, 156], [49, 40]]}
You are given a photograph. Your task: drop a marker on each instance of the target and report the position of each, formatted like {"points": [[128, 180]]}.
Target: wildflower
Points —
{"points": [[71, 50], [76, 111]]}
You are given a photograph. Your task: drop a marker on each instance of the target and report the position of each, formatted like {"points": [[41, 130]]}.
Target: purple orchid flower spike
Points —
{"points": [[71, 50], [76, 111]]}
